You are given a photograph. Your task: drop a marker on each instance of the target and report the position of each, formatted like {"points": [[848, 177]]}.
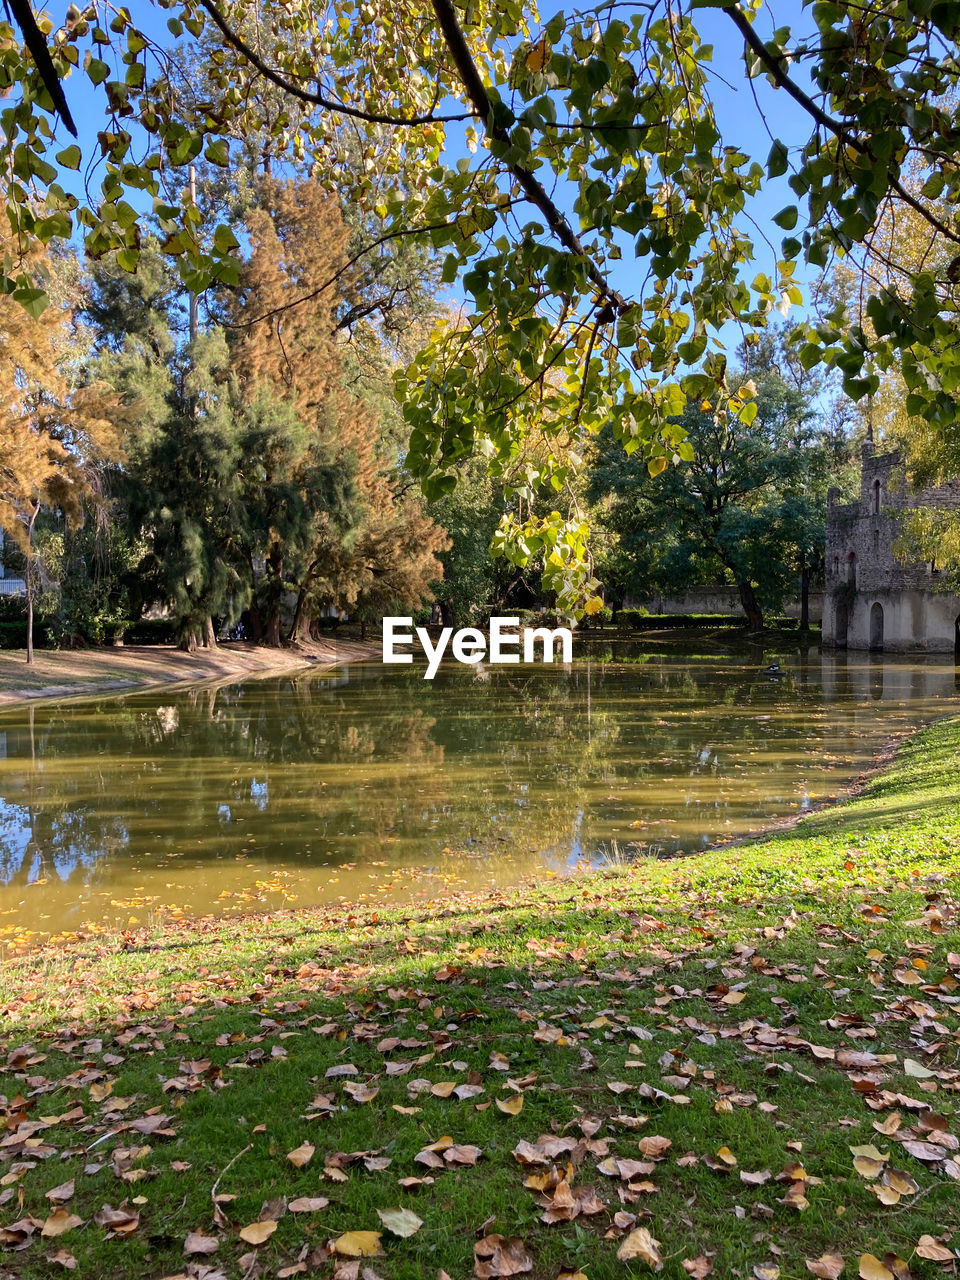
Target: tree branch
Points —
{"points": [[775, 67], [531, 185], [317, 98]]}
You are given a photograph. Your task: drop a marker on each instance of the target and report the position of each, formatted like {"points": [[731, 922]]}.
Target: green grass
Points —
{"points": [[838, 912]]}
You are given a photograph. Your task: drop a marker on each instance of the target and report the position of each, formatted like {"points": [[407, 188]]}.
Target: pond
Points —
{"points": [[369, 784]]}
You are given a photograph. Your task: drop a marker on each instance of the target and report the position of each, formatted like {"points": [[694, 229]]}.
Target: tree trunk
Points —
{"points": [[209, 635], [750, 606], [271, 633], [804, 598], [28, 572], [28, 582], [302, 620]]}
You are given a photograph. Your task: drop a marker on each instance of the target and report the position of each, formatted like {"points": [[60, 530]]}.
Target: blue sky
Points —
{"points": [[742, 124]]}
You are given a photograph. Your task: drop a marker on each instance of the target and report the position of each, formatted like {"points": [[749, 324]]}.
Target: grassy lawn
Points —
{"points": [[662, 1068]]}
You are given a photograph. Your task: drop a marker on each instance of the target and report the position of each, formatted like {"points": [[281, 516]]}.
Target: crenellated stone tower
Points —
{"points": [[873, 600]]}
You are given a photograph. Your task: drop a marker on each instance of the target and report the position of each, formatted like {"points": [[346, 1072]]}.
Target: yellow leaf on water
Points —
{"points": [[258, 1232]]}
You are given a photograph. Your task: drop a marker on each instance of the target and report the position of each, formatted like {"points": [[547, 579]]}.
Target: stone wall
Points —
{"points": [[722, 600], [873, 600]]}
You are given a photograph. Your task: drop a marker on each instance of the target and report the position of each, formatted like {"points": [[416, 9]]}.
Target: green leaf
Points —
{"points": [[218, 153], [777, 160], [224, 240], [69, 157], [128, 259], [33, 301], [787, 218], [97, 70]]}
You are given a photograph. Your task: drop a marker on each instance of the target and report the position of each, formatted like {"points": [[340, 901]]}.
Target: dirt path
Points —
{"points": [[72, 673]]}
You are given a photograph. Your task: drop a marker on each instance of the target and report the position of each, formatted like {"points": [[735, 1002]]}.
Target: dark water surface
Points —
{"points": [[370, 784]]}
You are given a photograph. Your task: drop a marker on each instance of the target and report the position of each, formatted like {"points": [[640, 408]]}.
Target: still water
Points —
{"points": [[370, 784]]}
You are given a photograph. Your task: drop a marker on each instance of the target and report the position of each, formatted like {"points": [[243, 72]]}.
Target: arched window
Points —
{"points": [[876, 497]]}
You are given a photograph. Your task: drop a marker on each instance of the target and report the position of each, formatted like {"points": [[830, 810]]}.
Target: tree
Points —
{"points": [[750, 506], [595, 136], [57, 427], [360, 543]]}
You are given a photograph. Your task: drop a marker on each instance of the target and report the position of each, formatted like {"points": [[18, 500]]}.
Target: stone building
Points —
{"points": [[872, 600]]}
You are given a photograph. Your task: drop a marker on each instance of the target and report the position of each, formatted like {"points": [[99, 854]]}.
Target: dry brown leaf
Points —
{"points": [[258, 1232], [308, 1204], [933, 1250], [495, 1256], [196, 1242], [301, 1155], [699, 1268], [59, 1222], [59, 1194], [465, 1155], [829, 1266], [63, 1258], [641, 1244]]}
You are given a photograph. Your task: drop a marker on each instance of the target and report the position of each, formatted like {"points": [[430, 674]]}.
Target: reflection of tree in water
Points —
{"points": [[369, 766]]}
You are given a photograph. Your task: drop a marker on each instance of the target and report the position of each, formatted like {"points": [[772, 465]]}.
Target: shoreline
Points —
{"points": [[84, 673], [745, 1011], [197, 931]]}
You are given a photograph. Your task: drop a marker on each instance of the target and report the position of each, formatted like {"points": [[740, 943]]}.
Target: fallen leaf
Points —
{"points": [[258, 1232], [359, 1244], [400, 1222], [933, 1251], [699, 1268], [511, 1106], [872, 1268], [641, 1244], [301, 1155], [198, 1243], [828, 1266], [495, 1256], [308, 1204], [59, 1222]]}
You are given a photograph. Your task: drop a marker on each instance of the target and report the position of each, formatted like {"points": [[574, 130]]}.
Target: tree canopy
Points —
{"points": [[586, 138]]}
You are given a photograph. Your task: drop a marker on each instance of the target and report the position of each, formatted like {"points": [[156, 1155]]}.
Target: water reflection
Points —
{"points": [[369, 783]]}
